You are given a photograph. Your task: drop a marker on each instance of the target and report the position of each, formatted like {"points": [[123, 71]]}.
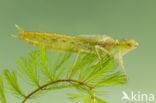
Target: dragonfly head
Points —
{"points": [[128, 44]]}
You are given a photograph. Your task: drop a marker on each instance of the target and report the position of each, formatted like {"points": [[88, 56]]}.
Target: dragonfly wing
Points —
{"points": [[95, 38], [105, 42]]}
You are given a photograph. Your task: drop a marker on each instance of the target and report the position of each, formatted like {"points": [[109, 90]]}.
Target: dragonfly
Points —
{"points": [[94, 44]]}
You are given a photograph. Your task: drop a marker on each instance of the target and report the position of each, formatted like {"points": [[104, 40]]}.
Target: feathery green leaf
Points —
{"points": [[13, 83], [2, 94], [47, 71]]}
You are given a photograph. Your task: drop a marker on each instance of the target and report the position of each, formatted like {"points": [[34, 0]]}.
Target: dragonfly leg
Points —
{"points": [[77, 56], [98, 49], [121, 63], [75, 61]]}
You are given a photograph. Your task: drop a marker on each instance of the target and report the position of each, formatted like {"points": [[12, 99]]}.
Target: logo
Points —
{"points": [[137, 97]]}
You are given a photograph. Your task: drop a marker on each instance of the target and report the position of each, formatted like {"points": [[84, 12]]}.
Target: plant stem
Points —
{"points": [[93, 97], [53, 82]]}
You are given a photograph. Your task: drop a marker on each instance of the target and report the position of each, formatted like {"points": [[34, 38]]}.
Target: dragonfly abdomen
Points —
{"points": [[57, 42]]}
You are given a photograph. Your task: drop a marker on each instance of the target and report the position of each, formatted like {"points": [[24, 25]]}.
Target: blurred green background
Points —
{"points": [[117, 18]]}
